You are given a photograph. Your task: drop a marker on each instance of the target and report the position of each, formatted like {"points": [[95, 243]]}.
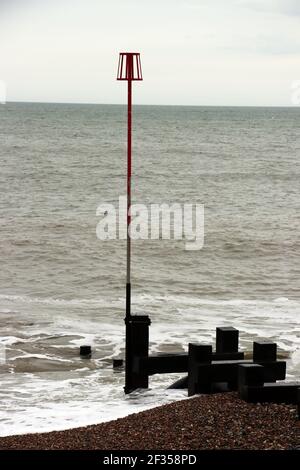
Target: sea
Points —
{"points": [[61, 287]]}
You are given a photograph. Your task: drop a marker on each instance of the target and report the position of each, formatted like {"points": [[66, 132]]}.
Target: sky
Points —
{"points": [[193, 52]]}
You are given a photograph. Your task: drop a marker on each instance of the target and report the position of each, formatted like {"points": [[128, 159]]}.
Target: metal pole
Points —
{"points": [[128, 270], [137, 326], [129, 332]]}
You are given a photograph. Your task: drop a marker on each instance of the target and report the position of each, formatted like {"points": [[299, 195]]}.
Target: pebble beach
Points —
{"points": [[207, 422]]}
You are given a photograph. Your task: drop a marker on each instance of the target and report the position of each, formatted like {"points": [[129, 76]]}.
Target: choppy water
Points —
{"points": [[61, 287]]}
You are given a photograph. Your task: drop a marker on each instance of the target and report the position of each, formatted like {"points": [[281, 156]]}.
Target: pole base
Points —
{"points": [[137, 345]]}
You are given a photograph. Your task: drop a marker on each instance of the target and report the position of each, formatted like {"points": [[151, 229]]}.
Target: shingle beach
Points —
{"points": [[219, 421]]}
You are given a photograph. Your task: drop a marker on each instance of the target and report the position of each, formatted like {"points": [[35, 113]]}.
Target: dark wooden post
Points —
{"points": [[137, 345], [198, 354], [227, 340], [264, 351]]}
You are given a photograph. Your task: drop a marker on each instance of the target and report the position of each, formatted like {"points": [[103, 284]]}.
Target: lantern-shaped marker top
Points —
{"points": [[129, 66]]}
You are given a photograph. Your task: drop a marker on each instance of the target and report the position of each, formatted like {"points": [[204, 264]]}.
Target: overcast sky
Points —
{"points": [[194, 52]]}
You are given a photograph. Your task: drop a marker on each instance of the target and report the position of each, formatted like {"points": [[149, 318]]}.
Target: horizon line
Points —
{"points": [[154, 104]]}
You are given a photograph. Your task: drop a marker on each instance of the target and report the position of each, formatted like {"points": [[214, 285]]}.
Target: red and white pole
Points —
{"points": [[128, 265], [137, 326]]}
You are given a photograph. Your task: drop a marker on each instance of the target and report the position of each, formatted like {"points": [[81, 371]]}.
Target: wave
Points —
{"points": [[52, 300], [141, 299]]}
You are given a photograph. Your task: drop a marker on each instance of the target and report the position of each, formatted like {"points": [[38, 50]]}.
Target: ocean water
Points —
{"points": [[61, 287]]}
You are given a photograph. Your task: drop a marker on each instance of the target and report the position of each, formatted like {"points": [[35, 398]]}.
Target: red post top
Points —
{"points": [[129, 67]]}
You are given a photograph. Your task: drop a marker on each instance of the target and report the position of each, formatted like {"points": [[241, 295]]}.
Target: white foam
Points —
{"points": [[41, 356], [97, 302], [10, 340], [51, 405], [64, 399]]}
